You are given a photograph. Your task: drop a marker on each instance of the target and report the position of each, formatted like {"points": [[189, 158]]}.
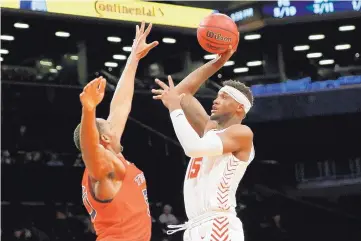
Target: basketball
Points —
{"points": [[216, 32]]}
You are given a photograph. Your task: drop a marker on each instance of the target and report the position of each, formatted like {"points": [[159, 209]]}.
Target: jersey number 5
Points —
{"points": [[195, 167]]}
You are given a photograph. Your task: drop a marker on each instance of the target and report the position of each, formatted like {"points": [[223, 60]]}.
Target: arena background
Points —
{"points": [[302, 60]]}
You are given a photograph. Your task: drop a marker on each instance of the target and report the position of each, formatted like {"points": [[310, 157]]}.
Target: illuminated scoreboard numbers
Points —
{"points": [[356, 5], [285, 12], [322, 7], [284, 9]]}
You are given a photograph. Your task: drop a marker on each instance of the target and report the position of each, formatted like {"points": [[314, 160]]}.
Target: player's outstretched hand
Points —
{"points": [[168, 94], [93, 93], [140, 47]]}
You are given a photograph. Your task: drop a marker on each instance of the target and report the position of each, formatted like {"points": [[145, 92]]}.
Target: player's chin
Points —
{"points": [[214, 116]]}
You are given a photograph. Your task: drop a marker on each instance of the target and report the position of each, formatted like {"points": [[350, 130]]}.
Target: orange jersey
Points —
{"points": [[126, 217]]}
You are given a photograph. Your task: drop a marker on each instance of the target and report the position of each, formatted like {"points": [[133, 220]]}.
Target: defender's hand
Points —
{"points": [[140, 48], [93, 93], [168, 94]]}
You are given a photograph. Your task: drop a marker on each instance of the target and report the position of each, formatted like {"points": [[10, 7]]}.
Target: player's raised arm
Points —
{"points": [[194, 111], [212, 144], [191, 83], [120, 105], [93, 153]]}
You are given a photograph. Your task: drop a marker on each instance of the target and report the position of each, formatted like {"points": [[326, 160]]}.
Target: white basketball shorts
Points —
{"points": [[218, 229]]}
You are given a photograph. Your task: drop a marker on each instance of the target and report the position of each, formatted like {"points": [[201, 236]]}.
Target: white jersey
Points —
{"points": [[211, 183]]}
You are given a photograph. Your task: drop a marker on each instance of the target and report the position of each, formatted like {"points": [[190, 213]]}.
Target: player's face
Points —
{"points": [[224, 106]]}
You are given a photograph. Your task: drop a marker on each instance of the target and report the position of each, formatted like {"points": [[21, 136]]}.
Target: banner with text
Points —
{"points": [[126, 10]]}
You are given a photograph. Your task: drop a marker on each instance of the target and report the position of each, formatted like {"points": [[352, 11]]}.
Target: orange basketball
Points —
{"points": [[216, 32]]}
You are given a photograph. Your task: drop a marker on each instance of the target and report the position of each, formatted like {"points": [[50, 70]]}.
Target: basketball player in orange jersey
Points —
{"points": [[114, 190], [220, 148]]}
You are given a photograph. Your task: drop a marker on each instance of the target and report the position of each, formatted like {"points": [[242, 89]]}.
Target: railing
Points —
{"points": [[328, 170]]}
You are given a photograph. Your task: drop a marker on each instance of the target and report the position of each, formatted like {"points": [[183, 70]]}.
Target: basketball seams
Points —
{"points": [[206, 26], [214, 42]]}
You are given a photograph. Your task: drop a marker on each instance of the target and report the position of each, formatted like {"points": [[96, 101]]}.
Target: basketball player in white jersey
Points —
{"points": [[220, 148]]}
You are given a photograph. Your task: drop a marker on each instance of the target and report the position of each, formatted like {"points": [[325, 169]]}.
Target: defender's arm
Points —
{"points": [[121, 103], [99, 162]]}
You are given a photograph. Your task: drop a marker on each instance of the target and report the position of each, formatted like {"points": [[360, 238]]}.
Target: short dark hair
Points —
{"points": [[241, 87], [76, 135]]}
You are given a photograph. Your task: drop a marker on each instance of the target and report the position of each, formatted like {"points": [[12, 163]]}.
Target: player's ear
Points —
{"points": [[240, 108], [105, 138]]}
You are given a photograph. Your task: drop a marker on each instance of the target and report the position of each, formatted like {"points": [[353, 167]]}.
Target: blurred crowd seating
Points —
{"points": [[266, 215], [304, 85], [40, 221], [27, 74]]}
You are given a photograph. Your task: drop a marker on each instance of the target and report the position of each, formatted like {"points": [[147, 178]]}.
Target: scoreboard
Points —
{"points": [[285, 8], [284, 11]]}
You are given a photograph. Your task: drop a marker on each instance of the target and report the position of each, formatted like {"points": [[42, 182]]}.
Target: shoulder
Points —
{"points": [[241, 129], [235, 138], [239, 132]]}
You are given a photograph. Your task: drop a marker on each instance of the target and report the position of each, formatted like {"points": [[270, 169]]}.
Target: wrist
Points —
{"points": [[175, 112], [133, 59], [218, 63], [88, 109], [175, 106]]}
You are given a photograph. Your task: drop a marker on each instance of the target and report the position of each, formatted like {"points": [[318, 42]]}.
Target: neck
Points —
{"points": [[223, 124], [109, 148]]}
